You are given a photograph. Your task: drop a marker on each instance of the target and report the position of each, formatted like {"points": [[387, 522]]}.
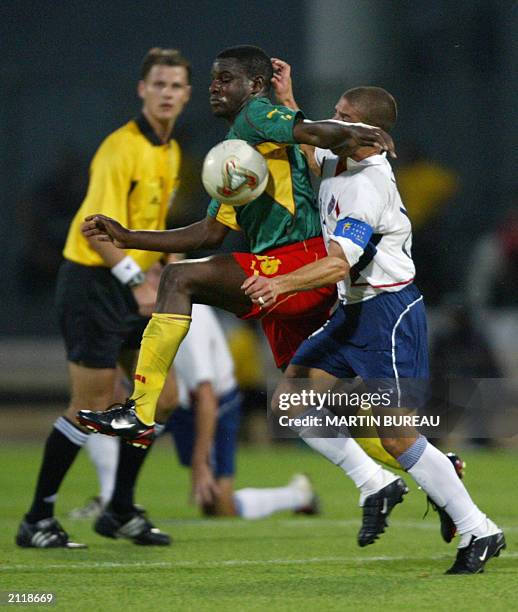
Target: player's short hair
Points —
{"points": [[375, 106], [254, 61], [164, 57]]}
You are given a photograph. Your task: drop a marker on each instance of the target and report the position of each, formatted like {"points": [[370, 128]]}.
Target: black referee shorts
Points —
{"points": [[98, 316]]}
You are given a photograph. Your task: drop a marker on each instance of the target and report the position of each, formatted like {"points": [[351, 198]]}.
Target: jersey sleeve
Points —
{"points": [[262, 122], [224, 213], [319, 156], [110, 180], [194, 363], [360, 205]]}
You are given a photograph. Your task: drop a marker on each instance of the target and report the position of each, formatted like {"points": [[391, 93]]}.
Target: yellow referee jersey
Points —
{"points": [[133, 177]]}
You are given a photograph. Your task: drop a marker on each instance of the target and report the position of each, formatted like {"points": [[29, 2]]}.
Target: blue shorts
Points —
{"points": [[182, 429], [382, 338]]}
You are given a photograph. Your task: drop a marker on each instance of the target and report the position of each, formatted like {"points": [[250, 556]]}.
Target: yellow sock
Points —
{"points": [[374, 448], [162, 337], [367, 438]]}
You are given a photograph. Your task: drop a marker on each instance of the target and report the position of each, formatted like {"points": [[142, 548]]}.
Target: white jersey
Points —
{"points": [[204, 356], [361, 210]]}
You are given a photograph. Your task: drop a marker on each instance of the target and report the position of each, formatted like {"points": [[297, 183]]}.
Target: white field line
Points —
{"points": [[427, 525], [233, 562], [313, 522]]}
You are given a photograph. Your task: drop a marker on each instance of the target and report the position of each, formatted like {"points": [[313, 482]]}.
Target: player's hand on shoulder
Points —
{"points": [[205, 489], [105, 229], [145, 296], [261, 290], [282, 84]]}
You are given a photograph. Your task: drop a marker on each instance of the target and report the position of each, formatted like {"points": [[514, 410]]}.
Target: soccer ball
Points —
{"points": [[234, 172]]}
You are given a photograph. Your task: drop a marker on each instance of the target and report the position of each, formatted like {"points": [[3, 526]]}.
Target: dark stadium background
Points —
{"points": [[69, 70]]}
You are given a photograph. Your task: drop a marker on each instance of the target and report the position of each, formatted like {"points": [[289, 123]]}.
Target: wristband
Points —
{"points": [[126, 269]]}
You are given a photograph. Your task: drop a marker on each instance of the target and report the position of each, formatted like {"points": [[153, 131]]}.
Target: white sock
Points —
{"points": [[436, 475], [73, 433], [104, 454], [259, 503], [348, 455], [159, 429]]}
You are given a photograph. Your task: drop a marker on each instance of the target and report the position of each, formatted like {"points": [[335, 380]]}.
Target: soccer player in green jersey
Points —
{"points": [[282, 227]]}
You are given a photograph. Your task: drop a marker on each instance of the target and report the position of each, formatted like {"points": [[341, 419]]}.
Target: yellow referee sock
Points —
{"points": [[162, 337]]}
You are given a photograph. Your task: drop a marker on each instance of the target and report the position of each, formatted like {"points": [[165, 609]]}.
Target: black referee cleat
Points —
{"points": [[119, 420], [472, 558], [448, 529], [376, 509], [134, 526], [46, 533]]}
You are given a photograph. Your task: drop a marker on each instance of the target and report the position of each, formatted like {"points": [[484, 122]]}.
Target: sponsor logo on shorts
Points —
{"points": [[268, 264]]}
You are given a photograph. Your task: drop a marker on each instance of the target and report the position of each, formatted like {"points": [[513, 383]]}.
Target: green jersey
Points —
{"points": [[287, 211]]}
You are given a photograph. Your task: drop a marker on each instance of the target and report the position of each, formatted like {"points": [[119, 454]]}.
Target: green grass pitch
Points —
{"points": [[281, 563]]}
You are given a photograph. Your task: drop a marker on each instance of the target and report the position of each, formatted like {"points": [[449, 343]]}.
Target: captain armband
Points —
{"points": [[353, 237], [356, 231]]}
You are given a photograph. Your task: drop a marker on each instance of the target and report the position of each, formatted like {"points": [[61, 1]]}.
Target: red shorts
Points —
{"points": [[296, 316]]}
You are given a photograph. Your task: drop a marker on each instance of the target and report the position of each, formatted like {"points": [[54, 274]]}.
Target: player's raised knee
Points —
{"points": [[176, 277]]}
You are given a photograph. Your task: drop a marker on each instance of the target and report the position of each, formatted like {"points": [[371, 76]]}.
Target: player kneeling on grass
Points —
{"points": [[204, 429], [378, 332]]}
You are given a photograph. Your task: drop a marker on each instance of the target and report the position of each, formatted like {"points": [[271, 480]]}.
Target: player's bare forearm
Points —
{"points": [[282, 84], [327, 271], [208, 233], [205, 489], [265, 291], [190, 238], [283, 88], [205, 422], [321, 273], [348, 137]]}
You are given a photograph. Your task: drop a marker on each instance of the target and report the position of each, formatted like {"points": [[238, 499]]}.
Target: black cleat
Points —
{"points": [[46, 533], [119, 420], [133, 526], [448, 529], [377, 508], [472, 558]]}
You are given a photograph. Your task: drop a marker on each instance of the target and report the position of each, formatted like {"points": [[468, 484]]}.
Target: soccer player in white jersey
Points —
{"points": [[379, 329], [205, 428]]}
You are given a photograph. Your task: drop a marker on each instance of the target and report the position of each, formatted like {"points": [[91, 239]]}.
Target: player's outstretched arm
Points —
{"points": [[206, 234], [327, 271], [347, 137], [326, 134]]}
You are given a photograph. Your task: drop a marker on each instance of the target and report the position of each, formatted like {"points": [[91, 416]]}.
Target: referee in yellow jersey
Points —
{"points": [[103, 298]]}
